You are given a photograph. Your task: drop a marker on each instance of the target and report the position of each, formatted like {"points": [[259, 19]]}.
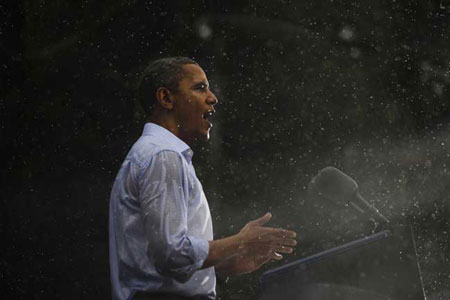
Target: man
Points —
{"points": [[161, 240]]}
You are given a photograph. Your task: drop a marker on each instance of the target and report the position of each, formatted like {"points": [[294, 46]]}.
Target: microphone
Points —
{"points": [[342, 189]]}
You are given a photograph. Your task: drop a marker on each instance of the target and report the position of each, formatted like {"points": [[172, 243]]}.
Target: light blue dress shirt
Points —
{"points": [[159, 221]]}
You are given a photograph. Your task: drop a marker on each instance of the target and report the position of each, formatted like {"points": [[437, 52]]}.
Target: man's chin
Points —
{"points": [[204, 136]]}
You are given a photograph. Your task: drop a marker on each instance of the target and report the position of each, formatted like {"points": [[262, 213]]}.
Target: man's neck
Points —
{"points": [[165, 120]]}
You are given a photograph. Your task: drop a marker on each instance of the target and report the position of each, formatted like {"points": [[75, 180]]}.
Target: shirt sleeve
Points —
{"points": [[163, 194]]}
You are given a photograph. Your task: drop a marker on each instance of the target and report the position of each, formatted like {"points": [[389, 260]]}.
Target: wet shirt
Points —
{"points": [[159, 221]]}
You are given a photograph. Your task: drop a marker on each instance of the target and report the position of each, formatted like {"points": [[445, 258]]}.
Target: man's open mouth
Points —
{"points": [[208, 115]]}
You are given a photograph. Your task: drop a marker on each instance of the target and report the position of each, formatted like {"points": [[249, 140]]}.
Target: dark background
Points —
{"points": [[360, 85]]}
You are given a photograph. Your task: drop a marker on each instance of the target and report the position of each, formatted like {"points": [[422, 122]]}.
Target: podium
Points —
{"points": [[382, 266]]}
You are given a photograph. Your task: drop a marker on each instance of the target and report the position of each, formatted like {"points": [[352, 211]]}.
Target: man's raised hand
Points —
{"points": [[249, 249], [268, 242], [257, 245]]}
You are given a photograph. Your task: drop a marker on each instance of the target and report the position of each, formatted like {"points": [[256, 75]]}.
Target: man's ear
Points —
{"points": [[164, 98]]}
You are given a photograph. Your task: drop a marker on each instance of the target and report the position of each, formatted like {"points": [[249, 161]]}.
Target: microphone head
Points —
{"points": [[334, 185]]}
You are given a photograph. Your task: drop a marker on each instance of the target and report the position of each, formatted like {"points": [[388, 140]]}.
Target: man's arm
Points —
{"points": [[163, 191]]}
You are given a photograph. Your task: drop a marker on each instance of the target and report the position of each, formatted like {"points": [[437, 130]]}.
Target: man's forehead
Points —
{"points": [[193, 72]]}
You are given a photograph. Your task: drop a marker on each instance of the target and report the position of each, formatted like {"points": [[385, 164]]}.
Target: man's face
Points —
{"points": [[193, 105]]}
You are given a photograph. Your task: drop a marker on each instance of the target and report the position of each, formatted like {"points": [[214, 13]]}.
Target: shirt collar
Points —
{"points": [[169, 139]]}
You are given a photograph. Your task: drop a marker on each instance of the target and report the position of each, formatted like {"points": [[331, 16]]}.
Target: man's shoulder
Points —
{"points": [[146, 148]]}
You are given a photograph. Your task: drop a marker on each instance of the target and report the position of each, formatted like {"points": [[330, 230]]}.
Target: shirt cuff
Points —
{"points": [[200, 247]]}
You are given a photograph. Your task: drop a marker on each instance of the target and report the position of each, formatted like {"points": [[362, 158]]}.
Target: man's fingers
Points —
{"points": [[288, 233], [276, 256], [288, 242], [283, 249], [261, 221], [282, 232]]}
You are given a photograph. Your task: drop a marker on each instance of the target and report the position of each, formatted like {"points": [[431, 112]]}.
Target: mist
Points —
{"points": [[302, 85]]}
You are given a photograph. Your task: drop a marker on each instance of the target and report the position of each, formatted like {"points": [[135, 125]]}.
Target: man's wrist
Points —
{"points": [[220, 250]]}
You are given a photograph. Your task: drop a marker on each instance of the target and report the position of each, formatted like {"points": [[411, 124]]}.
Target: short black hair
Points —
{"points": [[164, 72]]}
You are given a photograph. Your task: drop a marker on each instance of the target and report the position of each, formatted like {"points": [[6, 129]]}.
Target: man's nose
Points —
{"points": [[212, 99]]}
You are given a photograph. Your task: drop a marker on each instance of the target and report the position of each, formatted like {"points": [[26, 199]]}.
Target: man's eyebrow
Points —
{"points": [[203, 82]]}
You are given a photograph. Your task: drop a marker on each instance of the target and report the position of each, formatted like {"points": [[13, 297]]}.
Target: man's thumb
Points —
{"points": [[261, 221]]}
